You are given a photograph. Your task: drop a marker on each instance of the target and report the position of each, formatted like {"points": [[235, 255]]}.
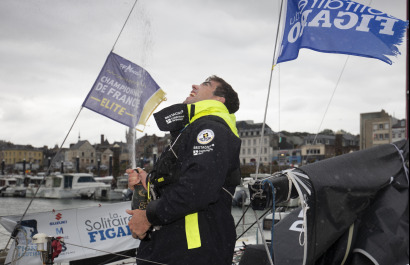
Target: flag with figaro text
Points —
{"points": [[124, 92], [340, 26]]}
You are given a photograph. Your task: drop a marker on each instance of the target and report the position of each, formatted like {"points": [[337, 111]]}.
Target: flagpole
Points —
{"points": [[269, 87]]}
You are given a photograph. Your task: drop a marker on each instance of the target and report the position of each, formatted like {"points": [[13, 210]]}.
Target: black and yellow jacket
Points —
{"points": [[194, 209]]}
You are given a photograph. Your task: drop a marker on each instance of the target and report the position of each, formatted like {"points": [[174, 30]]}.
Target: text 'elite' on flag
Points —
{"points": [[124, 92], [340, 26]]}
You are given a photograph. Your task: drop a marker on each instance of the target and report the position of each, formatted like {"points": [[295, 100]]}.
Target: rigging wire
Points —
{"points": [[243, 215], [60, 148], [331, 98], [121, 255], [48, 170], [244, 232], [123, 26]]}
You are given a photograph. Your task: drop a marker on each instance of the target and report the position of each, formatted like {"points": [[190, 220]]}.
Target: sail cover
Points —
{"points": [[355, 210]]}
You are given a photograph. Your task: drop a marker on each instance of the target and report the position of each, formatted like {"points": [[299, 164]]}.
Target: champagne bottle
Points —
{"points": [[139, 197]]}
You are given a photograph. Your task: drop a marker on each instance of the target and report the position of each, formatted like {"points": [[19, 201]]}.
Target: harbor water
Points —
{"points": [[17, 206]]}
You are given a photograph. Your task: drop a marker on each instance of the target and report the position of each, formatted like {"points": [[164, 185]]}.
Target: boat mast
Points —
{"points": [[407, 76]]}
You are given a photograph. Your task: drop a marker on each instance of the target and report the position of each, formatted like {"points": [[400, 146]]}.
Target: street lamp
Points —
{"points": [[78, 164]]}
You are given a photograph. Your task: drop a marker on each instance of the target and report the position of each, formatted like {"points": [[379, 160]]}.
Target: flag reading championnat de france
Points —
{"points": [[124, 92], [340, 26]]}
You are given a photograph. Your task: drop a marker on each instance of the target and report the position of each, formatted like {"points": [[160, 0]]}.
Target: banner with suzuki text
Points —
{"points": [[87, 232]]}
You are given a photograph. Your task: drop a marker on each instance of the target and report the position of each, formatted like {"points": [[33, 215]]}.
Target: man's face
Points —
{"points": [[202, 92]]}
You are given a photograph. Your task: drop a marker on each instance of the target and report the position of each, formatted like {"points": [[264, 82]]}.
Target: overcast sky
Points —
{"points": [[51, 52]]}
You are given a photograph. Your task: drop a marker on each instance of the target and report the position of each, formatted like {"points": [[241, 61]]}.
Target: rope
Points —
{"points": [[15, 251], [406, 170], [120, 255], [263, 237], [273, 214]]}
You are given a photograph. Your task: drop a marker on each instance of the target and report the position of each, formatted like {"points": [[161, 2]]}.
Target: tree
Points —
{"points": [[327, 132]]}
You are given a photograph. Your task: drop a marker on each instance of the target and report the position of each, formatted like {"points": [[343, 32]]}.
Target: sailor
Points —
{"points": [[194, 179]]}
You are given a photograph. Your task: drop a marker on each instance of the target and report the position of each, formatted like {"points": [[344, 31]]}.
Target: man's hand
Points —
{"points": [[138, 224], [136, 177]]}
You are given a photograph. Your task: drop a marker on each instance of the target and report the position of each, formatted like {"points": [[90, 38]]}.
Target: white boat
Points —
{"points": [[114, 191], [76, 185], [12, 186]]}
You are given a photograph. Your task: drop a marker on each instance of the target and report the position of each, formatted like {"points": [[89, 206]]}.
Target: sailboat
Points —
{"points": [[354, 210], [354, 207]]}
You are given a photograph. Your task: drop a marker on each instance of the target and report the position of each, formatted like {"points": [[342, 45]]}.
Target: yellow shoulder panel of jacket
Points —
{"points": [[216, 108]]}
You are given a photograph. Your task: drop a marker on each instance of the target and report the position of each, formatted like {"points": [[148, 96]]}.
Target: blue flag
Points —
{"points": [[340, 26], [124, 92]]}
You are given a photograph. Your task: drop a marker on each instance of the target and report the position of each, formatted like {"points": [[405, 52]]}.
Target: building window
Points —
{"points": [[254, 150], [386, 126], [386, 136], [375, 127]]}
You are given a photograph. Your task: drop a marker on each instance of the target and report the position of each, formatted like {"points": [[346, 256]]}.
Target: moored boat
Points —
{"points": [[12, 186], [76, 185], [115, 191]]}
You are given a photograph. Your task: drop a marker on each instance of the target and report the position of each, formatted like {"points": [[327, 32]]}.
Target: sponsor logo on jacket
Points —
{"points": [[205, 136]]}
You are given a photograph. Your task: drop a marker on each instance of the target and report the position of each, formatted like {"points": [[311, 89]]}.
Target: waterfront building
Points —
{"points": [[250, 134], [15, 156], [376, 128]]}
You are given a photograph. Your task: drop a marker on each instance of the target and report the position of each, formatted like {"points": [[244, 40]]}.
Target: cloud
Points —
{"points": [[52, 52]]}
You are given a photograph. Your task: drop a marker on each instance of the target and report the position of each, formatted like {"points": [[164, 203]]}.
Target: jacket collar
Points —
{"points": [[212, 107], [174, 118]]}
